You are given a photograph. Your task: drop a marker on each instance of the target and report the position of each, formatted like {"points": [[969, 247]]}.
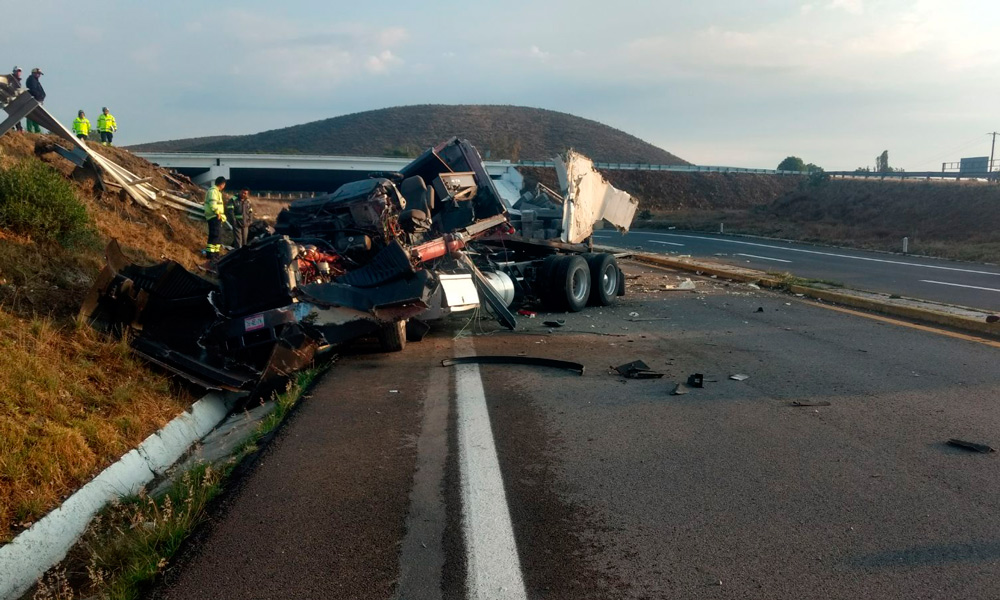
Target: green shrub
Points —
{"points": [[37, 201]]}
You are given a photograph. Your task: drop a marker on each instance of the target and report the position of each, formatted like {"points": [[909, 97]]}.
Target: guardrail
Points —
{"points": [[914, 175], [675, 168]]}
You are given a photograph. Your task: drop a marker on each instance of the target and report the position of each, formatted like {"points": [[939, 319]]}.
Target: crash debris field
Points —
{"points": [[378, 259]]}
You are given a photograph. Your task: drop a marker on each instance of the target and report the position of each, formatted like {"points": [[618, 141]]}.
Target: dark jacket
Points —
{"points": [[35, 88]]}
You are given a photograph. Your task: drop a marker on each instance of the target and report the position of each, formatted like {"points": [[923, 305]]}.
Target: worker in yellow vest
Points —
{"points": [[106, 126], [215, 214], [81, 125]]}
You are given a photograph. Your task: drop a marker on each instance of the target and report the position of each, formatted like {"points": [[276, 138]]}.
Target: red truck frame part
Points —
{"points": [[378, 257]]}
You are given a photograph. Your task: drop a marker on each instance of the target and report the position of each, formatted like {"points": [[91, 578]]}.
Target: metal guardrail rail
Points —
{"points": [[194, 159], [674, 168], [913, 175]]}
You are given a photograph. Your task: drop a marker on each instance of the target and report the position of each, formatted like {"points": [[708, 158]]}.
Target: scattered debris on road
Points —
{"points": [[971, 446], [696, 380], [679, 390], [739, 377], [533, 361], [556, 323], [804, 403], [637, 369]]}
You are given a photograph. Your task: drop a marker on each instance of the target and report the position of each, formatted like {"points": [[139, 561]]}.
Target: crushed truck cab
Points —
{"points": [[378, 257]]}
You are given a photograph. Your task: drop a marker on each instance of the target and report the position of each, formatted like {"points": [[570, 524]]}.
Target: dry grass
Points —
{"points": [[71, 400], [71, 403], [133, 540]]}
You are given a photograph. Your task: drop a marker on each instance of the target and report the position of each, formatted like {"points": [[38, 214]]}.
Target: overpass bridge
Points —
{"points": [[323, 173]]}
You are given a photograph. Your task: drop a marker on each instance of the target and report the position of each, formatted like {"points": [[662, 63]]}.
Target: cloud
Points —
{"points": [[382, 62], [854, 7], [536, 52], [299, 54]]}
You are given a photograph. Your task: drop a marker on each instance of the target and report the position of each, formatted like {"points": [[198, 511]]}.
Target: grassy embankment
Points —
{"points": [[72, 401], [947, 219], [133, 540]]}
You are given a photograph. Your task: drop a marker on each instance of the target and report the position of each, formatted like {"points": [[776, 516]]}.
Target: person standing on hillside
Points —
{"points": [[15, 82], [106, 126], [34, 85], [81, 126], [240, 212], [215, 214]]}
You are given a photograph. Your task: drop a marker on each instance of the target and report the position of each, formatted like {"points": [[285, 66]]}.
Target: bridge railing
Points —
{"points": [[617, 166]]}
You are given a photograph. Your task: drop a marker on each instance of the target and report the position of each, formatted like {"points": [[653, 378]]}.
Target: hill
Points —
{"points": [[511, 132]]}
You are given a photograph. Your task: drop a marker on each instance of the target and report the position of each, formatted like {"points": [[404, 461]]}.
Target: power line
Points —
{"points": [[950, 153]]}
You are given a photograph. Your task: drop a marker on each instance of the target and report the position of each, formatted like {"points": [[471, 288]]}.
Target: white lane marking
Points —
{"points": [[667, 243], [879, 260], [494, 570], [971, 287], [764, 257]]}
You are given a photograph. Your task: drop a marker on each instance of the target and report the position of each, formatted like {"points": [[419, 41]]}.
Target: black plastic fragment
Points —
{"points": [[637, 370], [558, 323], [696, 380], [971, 446], [807, 403], [534, 361]]}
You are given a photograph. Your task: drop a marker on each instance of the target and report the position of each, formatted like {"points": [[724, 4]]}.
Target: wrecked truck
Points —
{"points": [[376, 258]]}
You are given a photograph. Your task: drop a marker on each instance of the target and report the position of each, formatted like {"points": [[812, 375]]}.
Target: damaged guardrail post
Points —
{"points": [[906, 245]]}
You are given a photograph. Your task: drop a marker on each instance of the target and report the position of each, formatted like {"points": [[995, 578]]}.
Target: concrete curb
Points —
{"points": [[955, 317], [45, 543]]}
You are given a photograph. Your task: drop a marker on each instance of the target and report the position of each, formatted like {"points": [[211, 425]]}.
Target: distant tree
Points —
{"points": [[645, 214], [882, 163], [792, 163], [811, 168], [818, 177]]}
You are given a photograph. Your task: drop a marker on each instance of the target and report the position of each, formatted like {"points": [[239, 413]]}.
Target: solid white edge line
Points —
{"points": [[493, 566], [667, 243], [803, 251], [971, 287], [764, 258]]}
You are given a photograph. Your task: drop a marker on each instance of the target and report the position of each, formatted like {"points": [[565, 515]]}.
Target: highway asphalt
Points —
{"points": [[966, 284], [400, 478]]}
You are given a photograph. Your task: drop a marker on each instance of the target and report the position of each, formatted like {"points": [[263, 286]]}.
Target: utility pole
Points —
{"points": [[992, 149]]}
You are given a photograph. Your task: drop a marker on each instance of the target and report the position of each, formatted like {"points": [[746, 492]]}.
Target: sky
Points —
{"points": [[716, 82]]}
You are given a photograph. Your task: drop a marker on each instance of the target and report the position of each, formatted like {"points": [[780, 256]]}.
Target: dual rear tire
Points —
{"points": [[570, 282]]}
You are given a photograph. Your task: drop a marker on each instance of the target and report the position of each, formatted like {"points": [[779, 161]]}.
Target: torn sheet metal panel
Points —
{"points": [[590, 198], [459, 291]]}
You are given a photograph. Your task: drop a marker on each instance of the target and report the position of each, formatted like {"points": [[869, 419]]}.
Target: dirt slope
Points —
{"points": [[671, 191]]}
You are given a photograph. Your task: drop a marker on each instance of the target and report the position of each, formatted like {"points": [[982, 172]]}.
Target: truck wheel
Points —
{"points": [[603, 278], [392, 336], [571, 284]]}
